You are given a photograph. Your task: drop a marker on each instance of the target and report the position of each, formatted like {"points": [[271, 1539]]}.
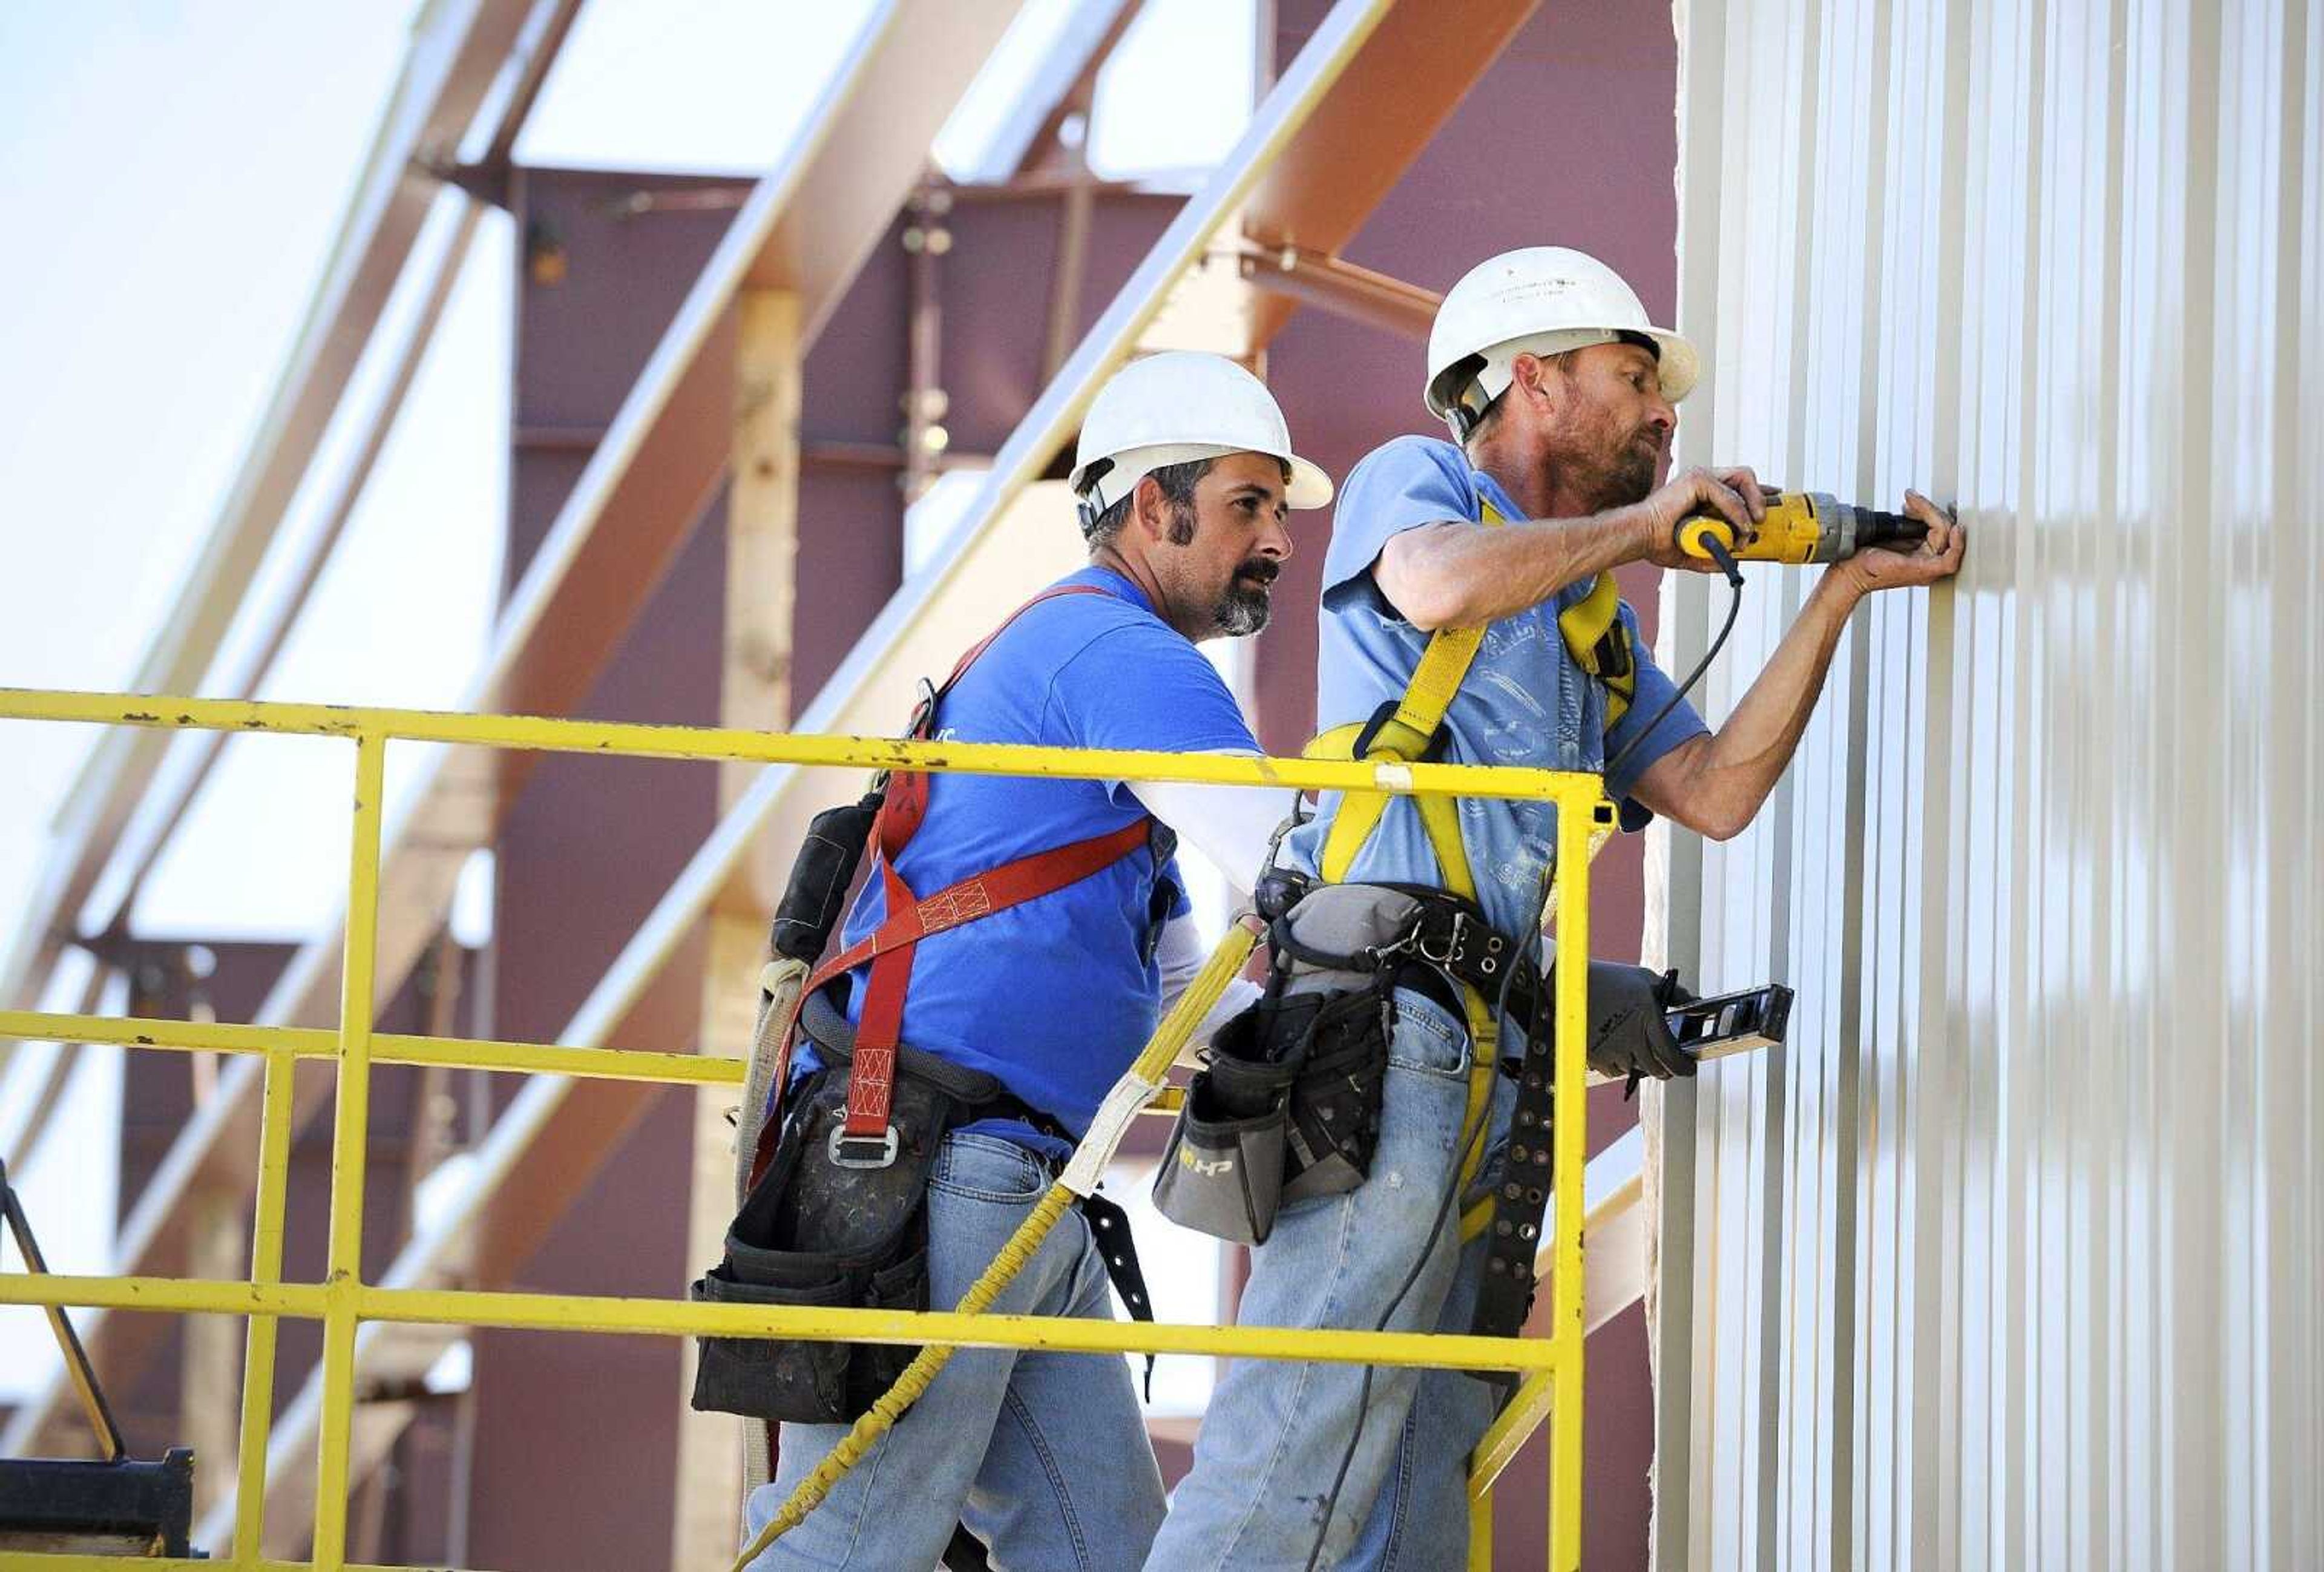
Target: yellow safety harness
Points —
{"points": [[1411, 730]]}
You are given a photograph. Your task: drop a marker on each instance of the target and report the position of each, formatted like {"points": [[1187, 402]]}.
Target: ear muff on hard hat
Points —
{"points": [[1177, 408]]}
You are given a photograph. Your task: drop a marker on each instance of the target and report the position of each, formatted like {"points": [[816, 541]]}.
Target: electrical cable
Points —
{"points": [[1734, 605], [1468, 1139], [1500, 1005], [1469, 1136]]}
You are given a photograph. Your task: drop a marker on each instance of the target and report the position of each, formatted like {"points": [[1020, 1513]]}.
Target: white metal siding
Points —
{"points": [[2016, 1257]]}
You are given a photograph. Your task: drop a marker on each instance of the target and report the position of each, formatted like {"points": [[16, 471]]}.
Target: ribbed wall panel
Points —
{"points": [[2014, 1257]]}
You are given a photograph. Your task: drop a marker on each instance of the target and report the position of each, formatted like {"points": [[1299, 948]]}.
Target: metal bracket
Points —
{"points": [[845, 1150]]}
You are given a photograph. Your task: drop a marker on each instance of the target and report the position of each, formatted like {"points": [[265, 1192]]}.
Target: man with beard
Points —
{"points": [[1559, 393], [1185, 475]]}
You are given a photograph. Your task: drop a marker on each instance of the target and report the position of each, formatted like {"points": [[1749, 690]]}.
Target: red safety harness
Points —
{"points": [[868, 1137]]}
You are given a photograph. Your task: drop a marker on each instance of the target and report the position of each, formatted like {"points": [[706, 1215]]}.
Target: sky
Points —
{"points": [[175, 174]]}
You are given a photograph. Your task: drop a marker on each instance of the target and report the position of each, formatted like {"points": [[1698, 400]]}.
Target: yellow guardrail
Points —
{"points": [[1551, 1368]]}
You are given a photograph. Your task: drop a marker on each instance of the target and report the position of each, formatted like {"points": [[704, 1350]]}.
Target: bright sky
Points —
{"points": [[176, 173]]}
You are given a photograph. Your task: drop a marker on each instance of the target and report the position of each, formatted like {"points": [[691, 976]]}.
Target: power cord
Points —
{"points": [[1475, 1129], [1469, 1136], [1734, 605]]}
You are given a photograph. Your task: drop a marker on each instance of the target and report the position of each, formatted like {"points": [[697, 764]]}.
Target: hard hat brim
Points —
{"points": [[1677, 366], [1310, 488]]}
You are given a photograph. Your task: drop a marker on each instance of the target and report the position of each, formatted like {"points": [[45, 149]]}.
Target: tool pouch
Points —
{"points": [[1334, 1114], [814, 1233], [827, 860], [1222, 1172], [1289, 1106]]}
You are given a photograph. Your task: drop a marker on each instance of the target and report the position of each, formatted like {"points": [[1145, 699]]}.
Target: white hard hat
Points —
{"points": [[1177, 407], [1544, 300]]}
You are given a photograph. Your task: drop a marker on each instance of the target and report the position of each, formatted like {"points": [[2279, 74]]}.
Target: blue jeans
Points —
{"points": [[1044, 1456], [1275, 1431]]}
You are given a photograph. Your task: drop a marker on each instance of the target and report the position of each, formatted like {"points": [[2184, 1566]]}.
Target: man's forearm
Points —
{"points": [[1715, 783], [1232, 827], [1460, 574]]}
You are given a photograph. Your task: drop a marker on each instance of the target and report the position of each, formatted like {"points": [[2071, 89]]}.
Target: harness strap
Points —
{"points": [[1519, 1203], [981, 895], [1110, 1227], [870, 1079], [1599, 640], [1412, 729]]}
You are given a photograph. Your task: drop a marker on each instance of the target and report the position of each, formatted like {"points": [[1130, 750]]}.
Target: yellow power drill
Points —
{"points": [[1802, 526]]}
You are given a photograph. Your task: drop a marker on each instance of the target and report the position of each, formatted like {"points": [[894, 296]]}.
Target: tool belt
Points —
{"points": [[1438, 942], [822, 1227], [824, 1231], [1287, 1106]]}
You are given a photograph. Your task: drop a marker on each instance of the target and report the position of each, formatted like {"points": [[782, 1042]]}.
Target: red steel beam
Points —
{"points": [[807, 226]]}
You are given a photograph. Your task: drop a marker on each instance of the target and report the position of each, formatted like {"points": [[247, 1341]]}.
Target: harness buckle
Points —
{"points": [[1432, 753], [1278, 890], [861, 1151], [1456, 942]]}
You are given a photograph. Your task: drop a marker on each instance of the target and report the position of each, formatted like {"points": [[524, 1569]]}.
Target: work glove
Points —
{"points": [[1627, 1034]]}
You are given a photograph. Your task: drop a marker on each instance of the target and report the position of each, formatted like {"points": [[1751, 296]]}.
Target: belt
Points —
{"points": [[1451, 944], [983, 1096], [1430, 984]]}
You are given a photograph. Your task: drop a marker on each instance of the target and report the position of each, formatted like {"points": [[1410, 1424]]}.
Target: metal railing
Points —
{"points": [[1550, 1369]]}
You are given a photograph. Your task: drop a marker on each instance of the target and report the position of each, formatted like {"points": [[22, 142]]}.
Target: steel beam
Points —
{"points": [[456, 52], [172, 794], [1317, 195], [806, 228], [544, 1148], [1342, 289], [1090, 34], [1017, 536], [754, 691]]}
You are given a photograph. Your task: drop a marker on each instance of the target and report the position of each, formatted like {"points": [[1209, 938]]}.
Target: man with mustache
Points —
{"points": [[1560, 394], [1186, 476]]}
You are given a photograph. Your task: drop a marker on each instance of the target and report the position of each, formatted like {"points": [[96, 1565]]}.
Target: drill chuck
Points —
{"points": [[1806, 527]]}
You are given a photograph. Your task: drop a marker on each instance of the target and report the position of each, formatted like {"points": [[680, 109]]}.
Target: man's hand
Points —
{"points": [[1735, 494], [1628, 1036], [1937, 556], [1714, 785]]}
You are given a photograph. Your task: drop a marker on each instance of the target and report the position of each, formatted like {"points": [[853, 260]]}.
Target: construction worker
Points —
{"points": [[1560, 396], [1185, 475]]}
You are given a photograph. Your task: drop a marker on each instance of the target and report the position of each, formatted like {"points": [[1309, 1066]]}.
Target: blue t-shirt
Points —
{"points": [[1057, 996], [1524, 702]]}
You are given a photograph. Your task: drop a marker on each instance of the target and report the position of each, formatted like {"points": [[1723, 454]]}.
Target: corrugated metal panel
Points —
{"points": [[2014, 1258]]}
